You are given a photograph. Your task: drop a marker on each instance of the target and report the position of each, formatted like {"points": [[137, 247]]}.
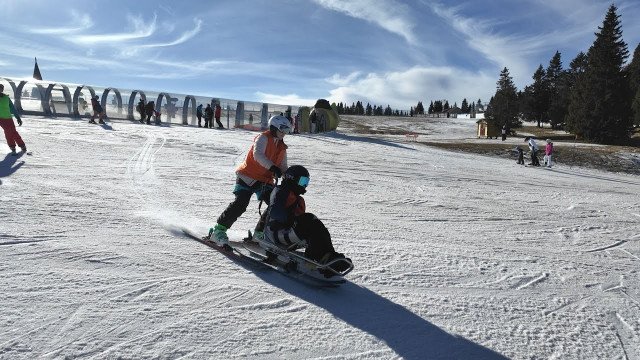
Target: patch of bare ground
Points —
{"points": [[609, 158], [567, 152]]}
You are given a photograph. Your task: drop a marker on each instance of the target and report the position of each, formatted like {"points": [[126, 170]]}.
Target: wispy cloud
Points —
{"points": [[140, 31], [184, 37], [82, 22], [388, 14]]}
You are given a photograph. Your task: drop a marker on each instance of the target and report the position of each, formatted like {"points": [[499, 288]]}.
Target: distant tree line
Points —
{"points": [[440, 106], [370, 110], [597, 97]]}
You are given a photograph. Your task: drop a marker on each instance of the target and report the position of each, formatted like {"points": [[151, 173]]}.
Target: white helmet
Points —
{"points": [[280, 123]]}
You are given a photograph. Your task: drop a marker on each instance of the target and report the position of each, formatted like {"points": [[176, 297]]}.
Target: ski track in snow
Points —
{"points": [[457, 255]]}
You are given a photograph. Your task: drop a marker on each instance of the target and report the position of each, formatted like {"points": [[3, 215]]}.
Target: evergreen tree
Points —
{"points": [[539, 96], [419, 108], [464, 108], [503, 107], [446, 106], [558, 92], [369, 110], [430, 111], [437, 106], [634, 84], [636, 108], [525, 103], [600, 106]]}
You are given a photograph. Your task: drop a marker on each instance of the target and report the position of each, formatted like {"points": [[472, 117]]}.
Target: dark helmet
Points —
{"points": [[297, 177]]}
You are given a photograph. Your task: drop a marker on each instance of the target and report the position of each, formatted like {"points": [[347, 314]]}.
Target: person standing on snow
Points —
{"points": [[7, 112], [199, 115], [141, 110], [290, 227], [548, 153], [218, 113], [266, 159], [533, 147], [150, 110], [208, 116], [97, 111]]}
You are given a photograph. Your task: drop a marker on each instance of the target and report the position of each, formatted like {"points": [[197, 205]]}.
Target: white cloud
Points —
{"points": [[82, 22], [140, 31], [184, 37], [289, 99], [388, 14], [403, 89]]}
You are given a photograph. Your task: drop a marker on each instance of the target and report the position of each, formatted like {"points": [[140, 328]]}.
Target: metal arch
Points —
{"points": [[132, 98], [185, 110], [158, 104], [47, 97], [16, 96], [264, 116], [76, 98], [103, 101], [240, 113], [42, 101]]}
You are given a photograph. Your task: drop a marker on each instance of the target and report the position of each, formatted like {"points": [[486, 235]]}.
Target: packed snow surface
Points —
{"points": [[457, 256]]}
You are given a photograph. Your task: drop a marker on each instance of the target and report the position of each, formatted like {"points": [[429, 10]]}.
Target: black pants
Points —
{"points": [[208, 122], [199, 120], [238, 206], [308, 227], [534, 158], [219, 123], [521, 157]]}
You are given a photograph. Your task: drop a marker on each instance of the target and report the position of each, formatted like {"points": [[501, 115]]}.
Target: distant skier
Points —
{"points": [[290, 227], [533, 147], [7, 112], [266, 159]]}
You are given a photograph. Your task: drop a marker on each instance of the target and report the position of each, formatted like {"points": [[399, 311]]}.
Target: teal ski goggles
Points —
{"points": [[304, 181]]}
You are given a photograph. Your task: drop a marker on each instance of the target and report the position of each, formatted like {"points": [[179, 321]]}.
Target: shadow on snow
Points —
{"points": [[407, 334], [339, 136], [7, 165]]}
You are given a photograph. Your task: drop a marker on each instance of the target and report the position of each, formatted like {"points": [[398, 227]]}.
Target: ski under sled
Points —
{"points": [[233, 250]]}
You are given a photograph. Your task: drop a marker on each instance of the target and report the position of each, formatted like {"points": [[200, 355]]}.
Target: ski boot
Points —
{"points": [[218, 234]]}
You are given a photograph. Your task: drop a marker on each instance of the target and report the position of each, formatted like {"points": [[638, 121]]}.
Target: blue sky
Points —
{"points": [[296, 51]]}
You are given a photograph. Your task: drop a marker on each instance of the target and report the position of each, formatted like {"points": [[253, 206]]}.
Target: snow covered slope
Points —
{"points": [[457, 256]]}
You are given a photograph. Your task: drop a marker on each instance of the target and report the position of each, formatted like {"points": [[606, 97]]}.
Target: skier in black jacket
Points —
{"points": [[290, 227]]}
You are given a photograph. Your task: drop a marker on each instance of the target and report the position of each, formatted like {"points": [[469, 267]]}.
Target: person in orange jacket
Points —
{"points": [[266, 160]]}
